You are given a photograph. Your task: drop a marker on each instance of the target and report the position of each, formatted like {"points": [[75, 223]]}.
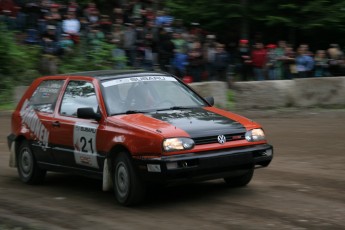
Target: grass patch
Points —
{"points": [[230, 95], [8, 106]]}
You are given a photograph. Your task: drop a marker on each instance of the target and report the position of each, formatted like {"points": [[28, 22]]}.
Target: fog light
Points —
{"points": [[269, 152], [153, 168], [172, 165]]}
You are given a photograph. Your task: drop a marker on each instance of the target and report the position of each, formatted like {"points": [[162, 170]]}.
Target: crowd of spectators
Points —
{"points": [[150, 39], [281, 61]]}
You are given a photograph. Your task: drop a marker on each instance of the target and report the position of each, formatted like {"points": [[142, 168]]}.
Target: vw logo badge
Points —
{"points": [[221, 139]]}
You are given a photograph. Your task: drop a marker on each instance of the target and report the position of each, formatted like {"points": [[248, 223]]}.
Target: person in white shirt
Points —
{"points": [[71, 26]]}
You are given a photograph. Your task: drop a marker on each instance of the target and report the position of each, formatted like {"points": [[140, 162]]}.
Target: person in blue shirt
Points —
{"points": [[304, 63]]}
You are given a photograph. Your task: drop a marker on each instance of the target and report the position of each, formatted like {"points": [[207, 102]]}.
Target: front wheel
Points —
{"points": [[28, 170], [128, 187], [240, 181]]}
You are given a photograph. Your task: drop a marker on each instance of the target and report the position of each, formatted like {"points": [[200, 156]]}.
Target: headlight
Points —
{"points": [[255, 135], [176, 144]]}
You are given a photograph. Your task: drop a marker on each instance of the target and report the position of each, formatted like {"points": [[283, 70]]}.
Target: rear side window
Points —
{"points": [[45, 96]]}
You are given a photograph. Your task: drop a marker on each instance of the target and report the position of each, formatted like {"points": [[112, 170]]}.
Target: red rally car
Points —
{"points": [[131, 129]]}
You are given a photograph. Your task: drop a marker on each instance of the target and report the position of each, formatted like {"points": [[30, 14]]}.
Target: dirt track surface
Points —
{"points": [[303, 188]]}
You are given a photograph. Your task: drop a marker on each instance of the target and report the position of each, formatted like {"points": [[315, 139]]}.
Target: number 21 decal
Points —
{"points": [[86, 144], [84, 139]]}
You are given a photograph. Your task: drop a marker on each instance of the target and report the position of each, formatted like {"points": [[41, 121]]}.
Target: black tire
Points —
{"points": [[240, 181], [28, 170], [128, 187]]}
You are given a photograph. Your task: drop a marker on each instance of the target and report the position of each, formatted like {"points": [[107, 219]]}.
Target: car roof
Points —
{"points": [[111, 74]]}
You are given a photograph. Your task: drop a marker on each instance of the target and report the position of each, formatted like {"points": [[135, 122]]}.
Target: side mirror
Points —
{"points": [[210, 100], [88, 113]]}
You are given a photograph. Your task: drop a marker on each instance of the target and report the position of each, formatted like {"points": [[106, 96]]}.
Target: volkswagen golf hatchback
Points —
{"points": [[131, 129]]}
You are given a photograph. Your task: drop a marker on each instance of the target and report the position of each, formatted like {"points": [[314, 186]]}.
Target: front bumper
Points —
{"points": [[204, 165]]}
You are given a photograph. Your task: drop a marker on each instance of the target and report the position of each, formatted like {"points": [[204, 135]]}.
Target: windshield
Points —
{"points": [[146, 94]]}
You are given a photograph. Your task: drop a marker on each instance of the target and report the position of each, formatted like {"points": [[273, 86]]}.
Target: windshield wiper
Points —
{"points": [[135, 111], [129, 112], [175, 108]]}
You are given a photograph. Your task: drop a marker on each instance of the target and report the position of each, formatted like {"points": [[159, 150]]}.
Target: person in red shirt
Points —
{"points": [[259, 58]]}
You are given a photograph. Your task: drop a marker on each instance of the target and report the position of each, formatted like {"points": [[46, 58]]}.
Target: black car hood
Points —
{"points": [[198, 122]]}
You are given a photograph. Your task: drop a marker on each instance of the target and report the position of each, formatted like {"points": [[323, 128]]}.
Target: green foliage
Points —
{"points": [[230, 99], [87, 57], [212, 15], [288, 18], [18, 63], [304, 15]]}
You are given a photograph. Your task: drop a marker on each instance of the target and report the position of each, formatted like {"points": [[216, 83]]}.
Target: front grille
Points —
{"points": [[214, 139]]}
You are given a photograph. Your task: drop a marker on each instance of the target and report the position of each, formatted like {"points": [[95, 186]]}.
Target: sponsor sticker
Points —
{"points": [[136, 79], [33, 123], [84, 139]]}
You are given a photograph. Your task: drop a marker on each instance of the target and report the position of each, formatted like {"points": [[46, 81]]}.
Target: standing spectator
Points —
{"points": [[179, 64], [180, 57], [179, 43], [165, 50], [336, 59], [245, 61], [53, 17], [209, 55], [304, 62], [136, 6], [93, 16], [259, 57], [66, 44], [151, 32], [289, 63], [117, 35], [271, 63], [321, 64], [8, 10], [221, 63], [119, 56], [279, 65], [32, 10], [145, 57], [163, 19], [71, 26], [89, 10], [50, 43], [73, 7], [105, 25], [95, 38], [150, 14], [179, 27], [195, 61], [129, 43]]}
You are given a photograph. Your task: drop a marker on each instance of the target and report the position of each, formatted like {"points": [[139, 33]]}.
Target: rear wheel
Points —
{"points": [[240, 181], [128, 187], [28, 170]]}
